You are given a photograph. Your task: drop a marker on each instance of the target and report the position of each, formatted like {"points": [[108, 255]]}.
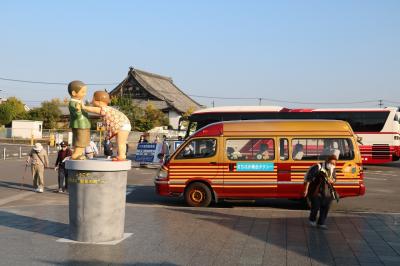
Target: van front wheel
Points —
{"points": [[198, 195]]}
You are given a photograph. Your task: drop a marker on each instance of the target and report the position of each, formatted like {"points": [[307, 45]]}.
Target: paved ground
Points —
{"points": [[362, 231]]}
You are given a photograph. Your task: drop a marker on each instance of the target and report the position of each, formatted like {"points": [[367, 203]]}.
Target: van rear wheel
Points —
{"points": [[198, 195]]}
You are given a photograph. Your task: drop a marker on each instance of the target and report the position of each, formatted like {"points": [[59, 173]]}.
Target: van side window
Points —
{"points": [[306, 149], [250, 149], [284, 149], [198, 148]]}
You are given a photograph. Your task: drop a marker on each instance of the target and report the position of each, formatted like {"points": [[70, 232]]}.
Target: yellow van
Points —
{"points": [[259, 159]]}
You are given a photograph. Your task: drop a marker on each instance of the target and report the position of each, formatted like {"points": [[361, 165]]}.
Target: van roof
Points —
{"points": [[277, 127]]}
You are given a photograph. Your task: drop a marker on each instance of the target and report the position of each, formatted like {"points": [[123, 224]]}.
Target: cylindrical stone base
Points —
{"points": [[97, 192]]}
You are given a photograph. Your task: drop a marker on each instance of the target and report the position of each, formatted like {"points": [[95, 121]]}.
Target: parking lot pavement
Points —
{"points": [[203, 236], [362, 231]]}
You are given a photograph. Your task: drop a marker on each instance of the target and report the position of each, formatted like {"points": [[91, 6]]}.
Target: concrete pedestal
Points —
{"points": [[97, 192]]}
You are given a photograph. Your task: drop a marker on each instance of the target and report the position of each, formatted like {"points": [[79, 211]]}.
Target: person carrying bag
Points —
{"points": [[319, 190], [38, 160]]}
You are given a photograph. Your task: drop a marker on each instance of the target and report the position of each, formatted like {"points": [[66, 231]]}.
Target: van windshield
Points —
{"points": [[198, 148]]}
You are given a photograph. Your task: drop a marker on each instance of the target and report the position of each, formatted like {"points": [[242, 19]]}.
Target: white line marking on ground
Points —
{"points": [[114, 242], [375, 178], [21, 195], [381, 173]]}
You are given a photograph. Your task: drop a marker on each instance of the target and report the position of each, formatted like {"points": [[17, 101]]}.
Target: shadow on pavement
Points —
{"points": [[14, 185], [32, 224], [348, 241], [105, 263], [146, 195]]}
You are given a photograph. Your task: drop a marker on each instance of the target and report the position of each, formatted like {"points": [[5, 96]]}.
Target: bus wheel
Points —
{"points": [[198, 195]]}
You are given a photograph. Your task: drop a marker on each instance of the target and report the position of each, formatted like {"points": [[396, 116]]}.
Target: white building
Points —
{"points": [[26, 129]]}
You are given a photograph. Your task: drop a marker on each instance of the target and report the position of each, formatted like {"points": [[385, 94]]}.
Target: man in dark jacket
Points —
{"points": [[318, 188], [108, 148], [62, 156]]}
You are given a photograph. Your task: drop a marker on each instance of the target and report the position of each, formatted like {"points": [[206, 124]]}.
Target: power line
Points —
{"points": [[391, 102], [54, 83], [260, 99], [277, 100]]}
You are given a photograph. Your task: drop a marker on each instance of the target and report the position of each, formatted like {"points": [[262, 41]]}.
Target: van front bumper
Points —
{"points": [[362, 189], [162, 188]]}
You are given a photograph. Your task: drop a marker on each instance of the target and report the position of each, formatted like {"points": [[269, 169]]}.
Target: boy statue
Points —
{"points": [[79, 121], [117, 124]]}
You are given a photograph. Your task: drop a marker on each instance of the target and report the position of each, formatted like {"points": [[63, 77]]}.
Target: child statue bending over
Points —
{"points": [[117, 124]]}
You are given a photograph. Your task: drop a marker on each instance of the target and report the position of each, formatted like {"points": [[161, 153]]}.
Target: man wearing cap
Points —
{"points": [[63, 155], [38, 160], [318, 188]]}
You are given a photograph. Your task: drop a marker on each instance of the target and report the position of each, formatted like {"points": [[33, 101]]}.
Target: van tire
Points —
{"points": [[198, 194]]}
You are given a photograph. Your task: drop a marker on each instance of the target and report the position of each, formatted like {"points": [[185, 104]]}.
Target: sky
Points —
{"points": [[308, 53]]}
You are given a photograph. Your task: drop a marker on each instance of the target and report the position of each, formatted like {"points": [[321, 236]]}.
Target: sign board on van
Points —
{"points": [[254, 167]]}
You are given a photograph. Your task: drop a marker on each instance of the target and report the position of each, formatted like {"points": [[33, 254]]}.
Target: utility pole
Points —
{"points": [[213, 103], [259, 101], [380, 103]]}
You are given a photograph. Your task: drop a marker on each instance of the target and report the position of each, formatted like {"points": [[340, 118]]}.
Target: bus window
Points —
{"points": [[320, 149], [283, 149], [198, 148], [250, 149]]}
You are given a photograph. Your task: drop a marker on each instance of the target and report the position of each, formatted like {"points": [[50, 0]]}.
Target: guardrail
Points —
{"points": [[16, 148], [15, 151]]}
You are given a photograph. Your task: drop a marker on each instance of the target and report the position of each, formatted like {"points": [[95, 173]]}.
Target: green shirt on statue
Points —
{"points": [[78, 119]]}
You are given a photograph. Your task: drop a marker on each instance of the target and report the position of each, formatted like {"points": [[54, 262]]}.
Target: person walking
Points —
{"points": [[91, 150], [63, 155], [38, 160], [318, 189], [108, 148], [142, 139]]}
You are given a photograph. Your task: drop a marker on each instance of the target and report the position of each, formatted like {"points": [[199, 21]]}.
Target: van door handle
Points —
{"points": [[213, 163]]}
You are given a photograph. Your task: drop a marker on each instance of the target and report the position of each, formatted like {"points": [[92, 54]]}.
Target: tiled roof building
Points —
{"points": [[145, 87]]}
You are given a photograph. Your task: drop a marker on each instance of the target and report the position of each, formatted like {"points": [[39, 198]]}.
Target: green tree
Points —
{"points": [[150, 118], [48, 112], [7, 114], [12, 109], [185, 117]]}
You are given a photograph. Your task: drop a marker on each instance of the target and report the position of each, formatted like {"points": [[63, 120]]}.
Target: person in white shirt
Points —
{"points": [[91, 150]]}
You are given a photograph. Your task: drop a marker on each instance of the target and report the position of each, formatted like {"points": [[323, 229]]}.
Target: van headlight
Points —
{"points": [[162, 174]]}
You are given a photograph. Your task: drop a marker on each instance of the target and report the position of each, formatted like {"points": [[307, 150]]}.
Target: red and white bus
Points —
{"points": [[378, 128]]}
